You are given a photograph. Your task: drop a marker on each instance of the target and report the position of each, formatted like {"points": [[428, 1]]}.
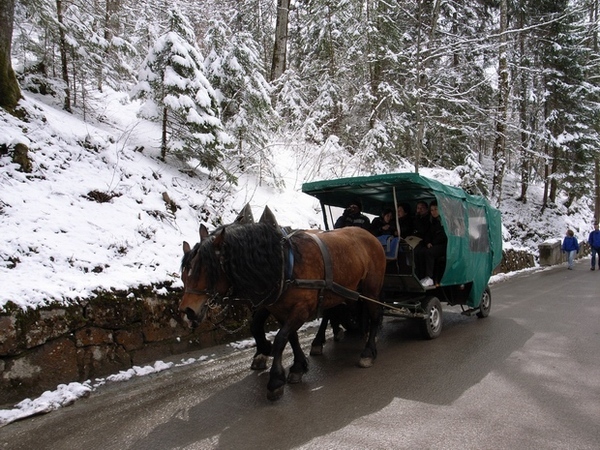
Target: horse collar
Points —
{"points": [[288, 259]]}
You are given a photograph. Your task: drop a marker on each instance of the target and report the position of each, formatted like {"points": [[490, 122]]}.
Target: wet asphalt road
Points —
{"points": [[527, 377]]}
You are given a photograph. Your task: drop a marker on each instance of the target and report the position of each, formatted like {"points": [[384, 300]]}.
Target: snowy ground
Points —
{"points": [[52, 227], [58, 244]]}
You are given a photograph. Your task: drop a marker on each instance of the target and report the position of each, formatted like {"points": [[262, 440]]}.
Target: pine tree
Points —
{"points": [[569, 117], [234, 69], [176, 93], [327, 50]]}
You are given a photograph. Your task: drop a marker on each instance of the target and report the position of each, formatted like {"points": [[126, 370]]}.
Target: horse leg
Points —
{"points": [[316, 348], [368, 355], [277, 373], [333, 316], [336, 322], [263, 346], [300, 366]]}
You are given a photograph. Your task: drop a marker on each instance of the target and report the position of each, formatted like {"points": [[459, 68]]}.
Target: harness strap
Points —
{"points": [[326, 261], [335, 288], [328, 283]]}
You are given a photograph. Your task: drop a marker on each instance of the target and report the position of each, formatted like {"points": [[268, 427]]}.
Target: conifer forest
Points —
{"points": [[488, 86]]}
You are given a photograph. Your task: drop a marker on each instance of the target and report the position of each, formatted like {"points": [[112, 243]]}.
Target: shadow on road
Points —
{"points": [[335, 392]]}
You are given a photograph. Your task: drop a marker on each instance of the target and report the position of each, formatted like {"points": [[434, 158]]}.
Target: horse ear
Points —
{"points": [[186, 247], [268, 217], [219, 238], [245, 216], [203, 232]]}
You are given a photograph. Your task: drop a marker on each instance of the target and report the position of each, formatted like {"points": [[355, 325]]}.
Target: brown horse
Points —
{"points": [[294, 277]]}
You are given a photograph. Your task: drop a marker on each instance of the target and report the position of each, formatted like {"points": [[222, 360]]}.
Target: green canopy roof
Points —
{"points": [[473, 226], [376, 191]]}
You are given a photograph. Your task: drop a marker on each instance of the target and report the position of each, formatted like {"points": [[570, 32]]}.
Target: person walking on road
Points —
{"points": [[570, 246], [594, 241]]}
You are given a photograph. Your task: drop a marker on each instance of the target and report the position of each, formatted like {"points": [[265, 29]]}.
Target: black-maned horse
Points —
{"points": [[293, 277], [348, 316]]}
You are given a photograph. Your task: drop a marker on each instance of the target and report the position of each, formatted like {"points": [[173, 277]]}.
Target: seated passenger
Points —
{"points": [[404, 221], [384, 224], [352, 217], [431, 247], [421, 222]]}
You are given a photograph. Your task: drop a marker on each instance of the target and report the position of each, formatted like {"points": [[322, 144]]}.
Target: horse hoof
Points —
{"points": [[316, 350], [294, 377], [259, 362], [337, 337], [365, 362], [276, 394]]}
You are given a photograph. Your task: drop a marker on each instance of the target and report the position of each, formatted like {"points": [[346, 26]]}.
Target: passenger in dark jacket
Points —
{"points": [[570, 246], [432, 247], [352, 217], [421, 222], [384, 224], [404, 221], [594, 241]]}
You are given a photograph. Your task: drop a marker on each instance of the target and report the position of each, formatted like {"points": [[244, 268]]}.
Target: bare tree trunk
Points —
{"points": [[418, 101], [503, 89], [374, 65], [546, 182], [281, 35], [63, 55], [163, 140], [553, 183], [594, 24], [525, 129], [420, 81], [597, 196], [9, 87]]}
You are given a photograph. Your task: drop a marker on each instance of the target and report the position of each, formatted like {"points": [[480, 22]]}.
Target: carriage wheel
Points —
{"points": [[486, 303], [432, 322]]}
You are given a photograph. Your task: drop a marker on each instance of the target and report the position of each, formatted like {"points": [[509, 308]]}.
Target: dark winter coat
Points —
{"points": [[352, 220], [406, 226], [378, 227], [421, 226], [436, 235], [569, 244]]}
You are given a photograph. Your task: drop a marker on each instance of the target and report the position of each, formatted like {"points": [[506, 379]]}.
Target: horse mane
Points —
{"points": [[207, 258], [253, 261]]}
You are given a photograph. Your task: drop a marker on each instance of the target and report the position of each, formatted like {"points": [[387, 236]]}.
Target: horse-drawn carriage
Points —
{"points": [[297, 276], [474, 248]]}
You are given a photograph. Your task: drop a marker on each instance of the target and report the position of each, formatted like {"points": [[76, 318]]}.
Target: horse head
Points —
{"points": [[203, 279]]}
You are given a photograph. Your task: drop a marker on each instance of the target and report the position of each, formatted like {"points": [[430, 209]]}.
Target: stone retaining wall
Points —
{"points": [[551, 252], [55, 344], [513, 260], [42, 348]]}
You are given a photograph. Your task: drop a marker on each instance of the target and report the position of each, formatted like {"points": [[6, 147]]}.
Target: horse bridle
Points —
{"points": [[211, 295]]}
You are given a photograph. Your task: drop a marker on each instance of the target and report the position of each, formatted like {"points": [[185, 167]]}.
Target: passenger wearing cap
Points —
{"points": [[353, 217]]}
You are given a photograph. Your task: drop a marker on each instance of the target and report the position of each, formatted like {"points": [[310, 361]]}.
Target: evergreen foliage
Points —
{"points": [[176, 92], [381, 82], [233, 69]]}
